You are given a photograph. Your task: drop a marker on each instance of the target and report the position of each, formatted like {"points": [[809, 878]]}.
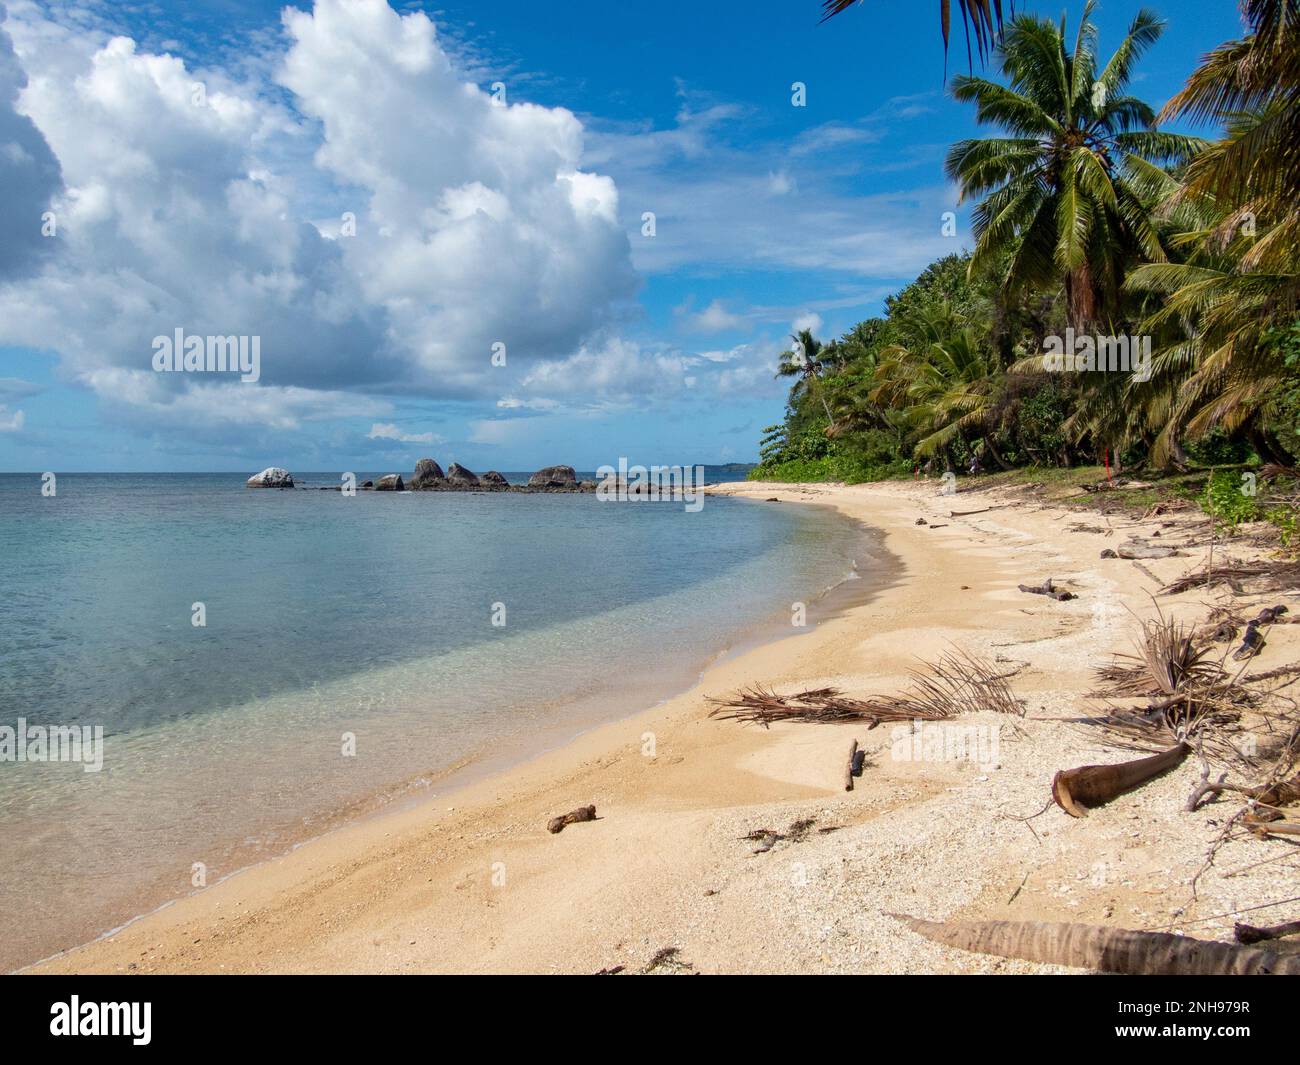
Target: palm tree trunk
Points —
{"points": [[988, 443]]}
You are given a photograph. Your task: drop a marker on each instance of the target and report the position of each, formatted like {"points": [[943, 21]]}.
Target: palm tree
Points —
{"points": [[1240, 207], [804, 361], [943, 377], [982, 17], [1254, 85], [1069, 192]]}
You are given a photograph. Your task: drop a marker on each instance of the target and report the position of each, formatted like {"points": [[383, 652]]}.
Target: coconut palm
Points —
{"points": [[942, 376], [1253, 173], [804, 361], [981, 17], [1239, 285], [1069, 192]]}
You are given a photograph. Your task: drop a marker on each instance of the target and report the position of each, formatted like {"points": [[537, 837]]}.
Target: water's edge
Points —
{"points": [[874, 568]]}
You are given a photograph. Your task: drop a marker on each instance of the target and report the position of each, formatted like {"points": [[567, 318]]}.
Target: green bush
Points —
{"points": [[1226, 500]]}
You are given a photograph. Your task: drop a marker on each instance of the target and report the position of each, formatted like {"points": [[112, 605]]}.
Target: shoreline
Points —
{"points": [[556, 721], [481, 886]]}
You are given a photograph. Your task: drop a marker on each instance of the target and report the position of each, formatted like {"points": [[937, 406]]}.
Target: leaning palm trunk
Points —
{"points": [[1111, 950]]}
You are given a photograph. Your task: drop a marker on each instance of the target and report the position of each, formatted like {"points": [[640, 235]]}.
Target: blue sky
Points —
{"points": [[201, 161]]}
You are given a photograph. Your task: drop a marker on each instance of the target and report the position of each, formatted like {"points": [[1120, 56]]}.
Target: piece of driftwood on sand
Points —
{"points": [[1047, 588], [582, 813], [1111, 950]]}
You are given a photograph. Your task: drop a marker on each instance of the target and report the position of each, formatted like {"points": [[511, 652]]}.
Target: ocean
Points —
{"points": [[353, 652]]}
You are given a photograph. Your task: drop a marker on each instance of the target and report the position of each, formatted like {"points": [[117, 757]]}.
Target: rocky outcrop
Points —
{"points": [[492, 479], [391, 482], [458, 475], [428, 474], [554, 477], [271, 477]]}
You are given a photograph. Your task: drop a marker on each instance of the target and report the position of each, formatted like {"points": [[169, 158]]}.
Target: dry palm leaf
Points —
{"points": [[959, 683]]}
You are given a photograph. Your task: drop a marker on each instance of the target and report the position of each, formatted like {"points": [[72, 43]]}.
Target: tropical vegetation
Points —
{"points": [[1090, 217]]}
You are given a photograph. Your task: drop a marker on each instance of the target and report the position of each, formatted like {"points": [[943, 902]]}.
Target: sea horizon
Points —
{"points": [[261, 693]]}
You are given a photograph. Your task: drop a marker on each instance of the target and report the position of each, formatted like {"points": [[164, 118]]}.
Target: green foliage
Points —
{"points": [[1218, 448], [1287, 522], [1226, 501], [1086, 212], [850, 469]]}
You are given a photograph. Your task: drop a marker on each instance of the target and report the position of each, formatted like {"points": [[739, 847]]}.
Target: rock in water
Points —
{"points": [[427, 474], [271, 477], [554, 477], [492, 479], [391, 482], [457, 474]]}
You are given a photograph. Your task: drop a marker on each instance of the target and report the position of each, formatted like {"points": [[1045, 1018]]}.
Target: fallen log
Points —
{"points": [[582, 813], [1110, 950], [1048, 589], [1092, 785], [1248, 933]]}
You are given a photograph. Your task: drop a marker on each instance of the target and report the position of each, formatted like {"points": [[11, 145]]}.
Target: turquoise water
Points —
{"points": [[327, 616]]}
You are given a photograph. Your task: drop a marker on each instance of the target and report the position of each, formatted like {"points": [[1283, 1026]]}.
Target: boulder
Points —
{"points": [[427, 475], [458, 474], [391, 482], [492, 479], [271, 477], [554, 477]]}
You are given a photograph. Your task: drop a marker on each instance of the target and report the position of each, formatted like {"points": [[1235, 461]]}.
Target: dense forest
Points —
{"points": [[1096, 230]]}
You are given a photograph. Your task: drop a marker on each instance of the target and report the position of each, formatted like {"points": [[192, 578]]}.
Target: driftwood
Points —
{"points": [[1136, 549], [1277, 828], [1266, 797], [582, 813], [1277, 575], [855, 762], [1110, 950], [1092, 785], [1047, 588], [1253, 642], [1247, 933]]}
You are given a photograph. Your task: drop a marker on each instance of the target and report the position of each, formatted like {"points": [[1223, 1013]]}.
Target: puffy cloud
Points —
{"points": [[812, 321], [715, 318], [186, 201], [480, 225], [29, 173]]}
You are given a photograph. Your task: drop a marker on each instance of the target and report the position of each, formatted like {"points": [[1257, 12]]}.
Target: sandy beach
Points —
{"points": [[664, 880]]}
